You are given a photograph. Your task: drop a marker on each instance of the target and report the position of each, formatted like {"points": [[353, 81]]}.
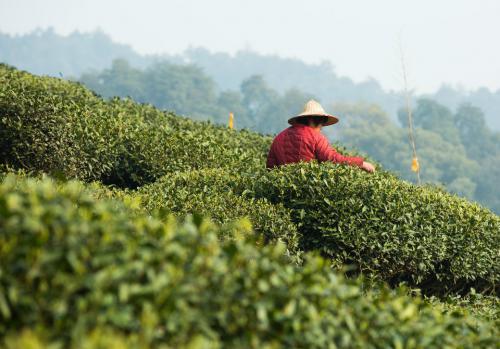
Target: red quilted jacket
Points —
{"points": [[303, 143]]}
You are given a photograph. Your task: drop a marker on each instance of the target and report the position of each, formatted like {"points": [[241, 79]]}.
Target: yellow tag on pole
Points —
{"points": [[231, 120], [415, 166]]}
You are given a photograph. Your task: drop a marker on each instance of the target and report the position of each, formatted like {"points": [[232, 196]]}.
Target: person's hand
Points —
{"points": [[368, 167]]}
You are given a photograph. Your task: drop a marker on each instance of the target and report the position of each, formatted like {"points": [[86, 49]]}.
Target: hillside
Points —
{"points": [[93, 254]]}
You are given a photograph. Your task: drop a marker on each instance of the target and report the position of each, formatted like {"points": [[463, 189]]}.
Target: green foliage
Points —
{"points": [[214, 193], [52, 126], [389, 228], [93, 266], [455, 150], [452, 147], [184, 89], [84, 273], [60, 128], [485, 308], [171, 144]]}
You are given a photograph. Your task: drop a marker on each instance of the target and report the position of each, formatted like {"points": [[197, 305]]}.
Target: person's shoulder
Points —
{"points": [[320, 138], [279, 137], [306, 133], [284, 132], [299, 129]]}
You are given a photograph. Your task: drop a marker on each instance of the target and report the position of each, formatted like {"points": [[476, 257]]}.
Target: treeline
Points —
{"points": [[456, 149], [46, 52], [322, 81], [187, 90]]}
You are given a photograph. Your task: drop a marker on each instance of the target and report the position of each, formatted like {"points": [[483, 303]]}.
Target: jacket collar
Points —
{"points": [[299, 125], [304, 126]]}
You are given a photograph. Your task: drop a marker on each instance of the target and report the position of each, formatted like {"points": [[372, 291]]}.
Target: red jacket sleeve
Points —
{"points": [[324, 152]]}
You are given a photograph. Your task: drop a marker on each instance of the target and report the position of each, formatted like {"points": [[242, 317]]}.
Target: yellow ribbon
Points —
{"points": [[415, 166]]}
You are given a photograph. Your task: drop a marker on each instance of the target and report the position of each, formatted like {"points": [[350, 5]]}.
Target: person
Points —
{"points": [[303, 141]]}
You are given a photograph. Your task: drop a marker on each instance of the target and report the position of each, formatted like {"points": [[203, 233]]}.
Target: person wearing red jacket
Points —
{"points": [[303, 141]]}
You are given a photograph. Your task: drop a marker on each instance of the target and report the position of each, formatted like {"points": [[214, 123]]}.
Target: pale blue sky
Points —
{"points": [[453, 41]]}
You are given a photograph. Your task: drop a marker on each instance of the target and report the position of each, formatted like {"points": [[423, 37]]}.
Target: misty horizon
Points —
{"points": [[359, 39], [168, 55]]}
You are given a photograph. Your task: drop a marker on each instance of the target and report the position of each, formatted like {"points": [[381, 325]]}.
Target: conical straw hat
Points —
{"points": [[313, 108]]}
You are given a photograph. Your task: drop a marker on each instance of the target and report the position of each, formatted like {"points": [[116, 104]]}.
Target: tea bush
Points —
{"points": [[61, 128], [485, 308], [160, 143], [50, 125], [211, 193], [84, 273], [389, 228]]}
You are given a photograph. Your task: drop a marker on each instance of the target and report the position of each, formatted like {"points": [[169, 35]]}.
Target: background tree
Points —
{"points": [[184, 89], [474, 134], [232, 102], [120, 80], [259, 100], [432, 116]]}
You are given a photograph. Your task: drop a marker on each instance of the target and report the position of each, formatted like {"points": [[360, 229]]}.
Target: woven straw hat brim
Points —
{"points": [[331, 119]]}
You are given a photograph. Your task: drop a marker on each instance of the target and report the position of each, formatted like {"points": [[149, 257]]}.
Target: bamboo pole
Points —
{"points": [[411, 133]]}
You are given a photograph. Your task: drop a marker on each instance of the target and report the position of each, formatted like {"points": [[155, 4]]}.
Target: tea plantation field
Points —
{"points": [[123, 226]]}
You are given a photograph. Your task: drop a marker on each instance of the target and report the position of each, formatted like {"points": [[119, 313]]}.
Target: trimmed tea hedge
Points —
{"points": [[162, 143], [52, 126], [210, 193], [61, 128], [71, 265], [389, 228]]}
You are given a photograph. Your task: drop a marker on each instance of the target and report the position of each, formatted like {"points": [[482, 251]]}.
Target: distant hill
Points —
{"points": [[282, 74], [487, 100], [45, 52]]}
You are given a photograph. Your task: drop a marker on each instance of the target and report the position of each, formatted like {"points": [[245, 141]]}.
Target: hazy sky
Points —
{"points": [[453, 41]]}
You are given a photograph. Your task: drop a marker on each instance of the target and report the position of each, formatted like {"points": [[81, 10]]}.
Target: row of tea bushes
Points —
{"points": [[386, 228], [84, 273], [59, 127], [164, 143], [52, 126], [210, 193], [389, 228]]}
